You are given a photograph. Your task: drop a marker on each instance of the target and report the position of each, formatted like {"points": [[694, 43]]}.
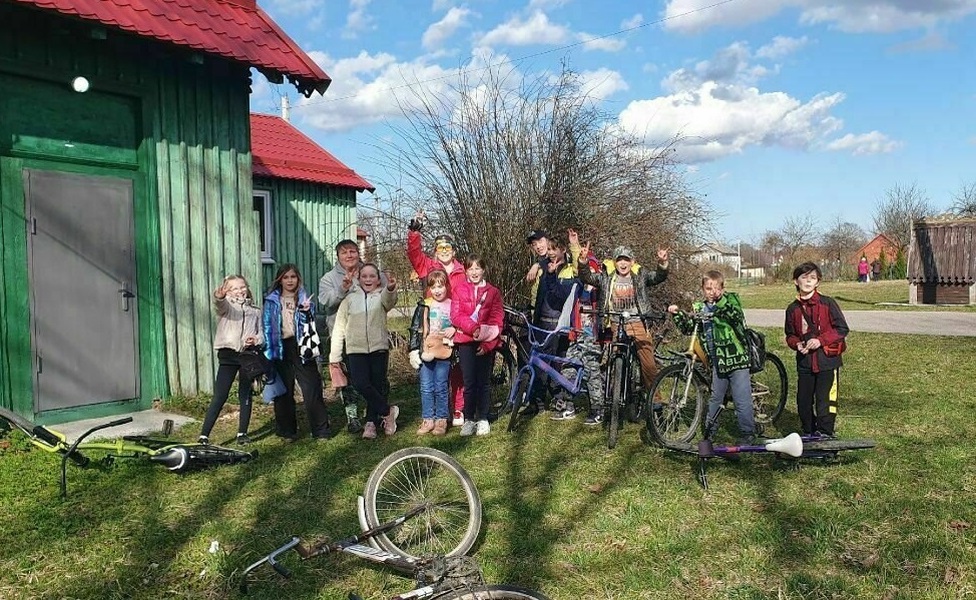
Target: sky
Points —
{"points": [[784, 108]]}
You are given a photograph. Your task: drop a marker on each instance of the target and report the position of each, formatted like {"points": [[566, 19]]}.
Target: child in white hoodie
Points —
{"points": [[360, 326]]}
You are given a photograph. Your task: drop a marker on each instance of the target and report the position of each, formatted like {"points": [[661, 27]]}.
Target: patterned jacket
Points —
{"points": [[723, 343], [644, 279], [274, 348]]}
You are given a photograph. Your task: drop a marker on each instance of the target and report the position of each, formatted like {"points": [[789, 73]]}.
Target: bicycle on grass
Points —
{"points": [[510, 357], [539, 362], [420, 514], [178, 457], [624, 392], [793, 445], [684, 388]]}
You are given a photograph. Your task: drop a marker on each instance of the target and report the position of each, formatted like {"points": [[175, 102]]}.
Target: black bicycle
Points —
{"points": [[420, 514], [624, 393]]}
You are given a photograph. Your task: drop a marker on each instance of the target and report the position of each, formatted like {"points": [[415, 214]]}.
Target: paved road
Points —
{"points": [[883, 321]]}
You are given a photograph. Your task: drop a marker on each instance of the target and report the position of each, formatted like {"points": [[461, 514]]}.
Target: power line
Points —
{"points": [[519, 60]]}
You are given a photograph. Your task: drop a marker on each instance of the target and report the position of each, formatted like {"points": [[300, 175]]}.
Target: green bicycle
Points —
{"points": [[177, 457]]}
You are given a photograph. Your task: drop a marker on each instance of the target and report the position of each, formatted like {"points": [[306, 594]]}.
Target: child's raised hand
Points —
{"points": [[573, 237], [391, 281], [307, 304], [673, 309], [662, 255]]}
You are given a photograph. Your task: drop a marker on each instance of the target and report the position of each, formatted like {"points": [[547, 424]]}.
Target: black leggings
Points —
{"points": [[476, 371], [229, 365], [309, 379], [367, 373], [816, 401]]}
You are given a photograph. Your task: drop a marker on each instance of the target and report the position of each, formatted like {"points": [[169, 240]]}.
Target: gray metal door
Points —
{"points": [[84, 321]]}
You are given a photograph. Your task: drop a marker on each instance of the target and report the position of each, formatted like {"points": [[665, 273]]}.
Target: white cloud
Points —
{"points": [[853, 16], [865, 144], [781, 46], [536, 29], [370, 88], [607, 44], [715, 121], [729, 65], [602, 83], [440, 5], [634, 21], [358, 20], [442, 30]]}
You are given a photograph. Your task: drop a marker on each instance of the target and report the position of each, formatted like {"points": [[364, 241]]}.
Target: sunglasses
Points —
{"points": [[443, 246]]}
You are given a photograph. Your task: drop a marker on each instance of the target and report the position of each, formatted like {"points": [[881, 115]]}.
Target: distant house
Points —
{"points": [[305, 199], [717, 254], [873, 249], [942, 261], [126, 193]]}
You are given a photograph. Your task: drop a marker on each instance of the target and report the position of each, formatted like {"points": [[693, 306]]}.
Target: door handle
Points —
{"points": [[125, 294]]}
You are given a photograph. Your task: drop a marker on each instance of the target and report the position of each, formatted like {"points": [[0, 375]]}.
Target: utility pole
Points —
{"points": [[738, 263], [285, 108]]}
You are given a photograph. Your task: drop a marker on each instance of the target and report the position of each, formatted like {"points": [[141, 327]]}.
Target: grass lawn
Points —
{"points": [[562, 513], [878, 295]]}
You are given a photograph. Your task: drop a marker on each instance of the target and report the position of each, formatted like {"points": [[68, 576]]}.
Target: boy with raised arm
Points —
{"points": [[626, 287]]}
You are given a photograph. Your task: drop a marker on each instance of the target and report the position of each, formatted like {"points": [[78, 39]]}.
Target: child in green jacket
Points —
{"points": [[720, 335]]}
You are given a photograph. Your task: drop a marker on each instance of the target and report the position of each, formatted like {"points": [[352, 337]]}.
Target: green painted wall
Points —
{"points": [[187, 143], [308, 219]]}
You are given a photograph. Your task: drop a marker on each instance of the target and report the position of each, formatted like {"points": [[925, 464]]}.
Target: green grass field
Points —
{"points": [[562, 513], [879, 295]]}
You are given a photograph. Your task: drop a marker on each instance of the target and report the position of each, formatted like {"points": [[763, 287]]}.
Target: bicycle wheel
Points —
{"points": [[500, 382], [493, 592], [683, 398], [410, 478], [616, 378], [520, 401], [200, 456], [769, 388], [636, 394], [838, 445]]}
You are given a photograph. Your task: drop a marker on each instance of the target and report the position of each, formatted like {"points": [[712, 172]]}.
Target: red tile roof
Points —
{"points": [[235, 29], [280, 150]]}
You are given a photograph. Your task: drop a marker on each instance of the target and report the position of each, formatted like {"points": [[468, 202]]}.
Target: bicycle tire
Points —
{"points": [[636, 396], [519, 401], [616, 399], [202, 456], [493, 592], [769, 390], [451, 520], [500, 382], [684, 402], [838, 445]]}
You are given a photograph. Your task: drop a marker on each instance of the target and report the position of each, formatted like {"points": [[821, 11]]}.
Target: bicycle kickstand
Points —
{"points": [[702, 473]]}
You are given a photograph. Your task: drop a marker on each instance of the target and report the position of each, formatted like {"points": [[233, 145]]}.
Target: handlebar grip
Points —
{"points": [[280, 569], [118, 422]]}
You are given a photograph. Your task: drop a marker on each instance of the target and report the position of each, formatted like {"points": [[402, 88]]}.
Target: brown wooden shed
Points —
{"points": [[942, 261]]}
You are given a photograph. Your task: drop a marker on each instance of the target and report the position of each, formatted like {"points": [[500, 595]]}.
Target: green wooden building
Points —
{"points": [[125, 193]]}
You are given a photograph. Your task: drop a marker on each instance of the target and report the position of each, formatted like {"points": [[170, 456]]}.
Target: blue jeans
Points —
{"points": [[741, 384], [434, 389]]}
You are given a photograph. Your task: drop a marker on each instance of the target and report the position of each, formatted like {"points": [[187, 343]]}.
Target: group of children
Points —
{"points": [[462, 315]]}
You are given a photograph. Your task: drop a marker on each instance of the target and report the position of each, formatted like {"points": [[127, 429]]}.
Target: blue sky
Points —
{"points": [[786, 107]]}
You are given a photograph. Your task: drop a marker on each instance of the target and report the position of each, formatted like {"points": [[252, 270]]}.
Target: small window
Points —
{"points": [[262, 206]]}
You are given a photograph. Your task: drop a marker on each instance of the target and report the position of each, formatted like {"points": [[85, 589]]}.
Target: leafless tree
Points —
{"points": [[894, 214], [964, 200], [500, 154], [838, 245]]}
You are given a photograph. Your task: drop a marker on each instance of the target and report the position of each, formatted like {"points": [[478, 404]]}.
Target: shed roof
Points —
{"points": [[235, 29], [943, 251], [280, 150]]}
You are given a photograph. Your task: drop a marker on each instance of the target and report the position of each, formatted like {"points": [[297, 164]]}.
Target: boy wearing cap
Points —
{"points": [[627, 287], [444, 259]]}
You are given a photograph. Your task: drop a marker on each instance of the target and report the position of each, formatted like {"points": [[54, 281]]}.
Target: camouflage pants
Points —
{"points": [[587, 351]]}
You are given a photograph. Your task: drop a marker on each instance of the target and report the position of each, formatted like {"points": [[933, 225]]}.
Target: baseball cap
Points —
{"points": [[623, 252], [535, 234], [445, 239]]}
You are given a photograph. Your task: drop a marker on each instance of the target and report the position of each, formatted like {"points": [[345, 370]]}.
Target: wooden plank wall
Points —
{"points": [[308, 220]]}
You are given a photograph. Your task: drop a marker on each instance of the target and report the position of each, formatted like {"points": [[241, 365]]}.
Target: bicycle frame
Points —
{"points": [[541, 361]]}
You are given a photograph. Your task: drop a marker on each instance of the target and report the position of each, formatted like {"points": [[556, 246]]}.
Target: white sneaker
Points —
{"points": [[483, 428], [458, 419], [468, 428]]}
